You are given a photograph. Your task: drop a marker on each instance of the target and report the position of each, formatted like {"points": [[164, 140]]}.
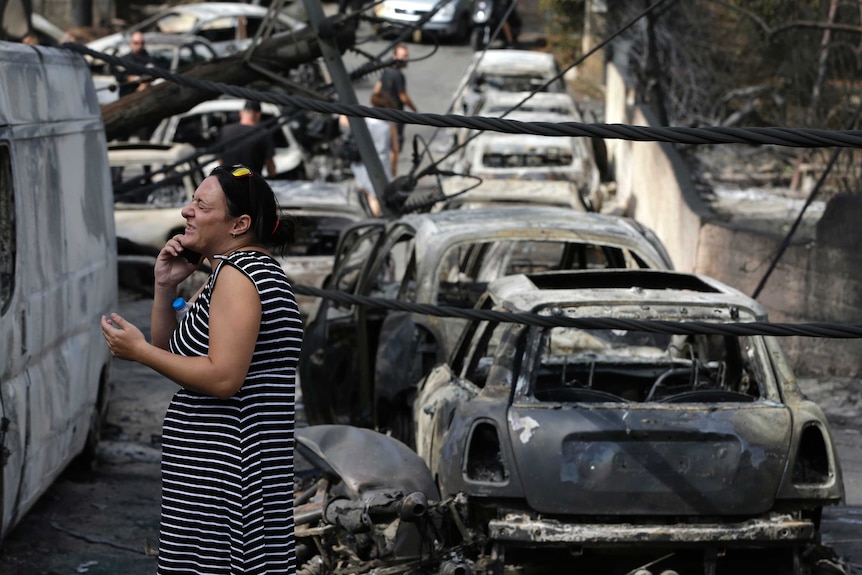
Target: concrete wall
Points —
{"points": [[819, 281]]}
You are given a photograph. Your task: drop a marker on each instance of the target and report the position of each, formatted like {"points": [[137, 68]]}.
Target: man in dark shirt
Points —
{"points": [[393, 83], [245, 143], [130, 81]]}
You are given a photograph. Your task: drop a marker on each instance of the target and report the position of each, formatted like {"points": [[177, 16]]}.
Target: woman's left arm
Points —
{"points": [[234, 324]]}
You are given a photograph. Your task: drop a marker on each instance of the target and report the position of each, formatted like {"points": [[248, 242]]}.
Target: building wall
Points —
{"points": [[818, 281]]}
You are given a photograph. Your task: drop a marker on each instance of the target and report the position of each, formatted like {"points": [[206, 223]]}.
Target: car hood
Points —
{"points": [[682, 459]]}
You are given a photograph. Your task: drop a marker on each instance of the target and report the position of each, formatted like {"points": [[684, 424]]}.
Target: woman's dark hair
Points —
{"points": [[248, 193]]}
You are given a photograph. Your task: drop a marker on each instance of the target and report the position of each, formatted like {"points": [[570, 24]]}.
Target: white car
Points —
{"points": [[170, 52], [201, 125], [493, 155], [147, 201], [506, 71], [451, 21], [230, 26], [497, 104]]}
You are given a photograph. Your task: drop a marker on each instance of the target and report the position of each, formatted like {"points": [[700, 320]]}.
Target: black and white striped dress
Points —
{"points": [[227, 465]]}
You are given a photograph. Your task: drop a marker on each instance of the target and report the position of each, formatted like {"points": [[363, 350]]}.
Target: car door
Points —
{"points": [[382, 278], [328, 368]]}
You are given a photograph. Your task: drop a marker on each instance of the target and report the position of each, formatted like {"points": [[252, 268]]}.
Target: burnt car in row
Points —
{"points": [[359, 363], [612, 448]]}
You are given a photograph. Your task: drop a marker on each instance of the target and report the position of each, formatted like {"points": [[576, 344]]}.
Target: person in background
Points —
{"points": [[228, 434], [511, 24], [384, 134], [129, 81], [393, 83], [245, 143]]}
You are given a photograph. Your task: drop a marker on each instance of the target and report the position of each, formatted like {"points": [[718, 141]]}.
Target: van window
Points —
{"points": [[7, 229]]}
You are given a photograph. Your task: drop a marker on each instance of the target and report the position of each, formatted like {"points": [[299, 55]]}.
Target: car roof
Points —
{"points": [[229, 105], [206, 10], [130, 153], [562, 193], [456, 226], [511, 99], [174, 39], [696, 296], [308, 196], [513, 61], [520, 141]]}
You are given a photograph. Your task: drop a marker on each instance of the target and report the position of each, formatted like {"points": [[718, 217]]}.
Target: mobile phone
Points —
{"points": [[191, 256]]}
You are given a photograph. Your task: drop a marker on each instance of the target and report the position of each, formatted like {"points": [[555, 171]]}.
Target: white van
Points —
{"points": [[58, 271]]}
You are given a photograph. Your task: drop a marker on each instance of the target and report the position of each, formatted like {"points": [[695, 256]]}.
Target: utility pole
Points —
{"points": [[346, 95]]}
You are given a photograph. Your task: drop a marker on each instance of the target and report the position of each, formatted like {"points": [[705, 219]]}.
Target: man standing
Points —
{"points": [[245, 143], [393, 83], [130, 81]]}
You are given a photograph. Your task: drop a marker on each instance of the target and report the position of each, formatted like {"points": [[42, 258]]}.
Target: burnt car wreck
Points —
{"points": [[544, 449]]}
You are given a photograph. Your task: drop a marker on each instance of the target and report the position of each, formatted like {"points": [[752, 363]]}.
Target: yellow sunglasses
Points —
{"points": [[240, 171]]}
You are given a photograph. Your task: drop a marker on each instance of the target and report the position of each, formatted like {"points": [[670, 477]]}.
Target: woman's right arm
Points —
{"points": [[170, 269]]}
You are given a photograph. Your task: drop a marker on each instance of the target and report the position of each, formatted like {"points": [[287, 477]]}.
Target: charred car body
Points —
{"points": [[364, 362], [616, 449]]}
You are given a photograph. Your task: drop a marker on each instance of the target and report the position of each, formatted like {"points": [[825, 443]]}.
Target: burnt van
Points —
{"points": [[58, 270]]}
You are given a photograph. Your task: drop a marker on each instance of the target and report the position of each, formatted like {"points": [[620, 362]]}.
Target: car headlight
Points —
{"points": [[446, 13]]}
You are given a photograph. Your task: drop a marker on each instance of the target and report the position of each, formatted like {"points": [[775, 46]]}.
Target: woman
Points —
{"points": [[227, 443], [384, 134]]}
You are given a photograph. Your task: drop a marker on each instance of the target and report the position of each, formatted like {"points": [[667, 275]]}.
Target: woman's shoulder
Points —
{"points": [[254, 262]]}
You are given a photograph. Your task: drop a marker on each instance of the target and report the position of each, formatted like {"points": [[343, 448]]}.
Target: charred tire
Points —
{"points": [[86, 460]]}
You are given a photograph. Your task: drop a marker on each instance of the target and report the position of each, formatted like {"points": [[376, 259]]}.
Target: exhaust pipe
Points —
{"points": [[413, 506]]}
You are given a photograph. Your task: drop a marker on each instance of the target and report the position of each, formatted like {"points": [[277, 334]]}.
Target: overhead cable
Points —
{"points": [[791, 137], [837, 331]]}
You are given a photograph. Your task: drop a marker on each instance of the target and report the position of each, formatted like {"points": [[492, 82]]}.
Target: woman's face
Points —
{"points": [[208, 224]]}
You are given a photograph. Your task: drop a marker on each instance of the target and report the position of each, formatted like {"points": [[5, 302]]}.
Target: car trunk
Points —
{"points": [[650, 459]]}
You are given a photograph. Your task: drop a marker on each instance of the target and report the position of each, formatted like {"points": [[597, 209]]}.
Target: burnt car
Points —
{"points": [[321, 211], [494, 155], [609, 450], [359, 363]]}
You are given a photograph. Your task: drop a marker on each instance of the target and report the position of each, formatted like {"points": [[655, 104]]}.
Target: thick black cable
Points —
{"points": [[791, 137], [829, 330], [785, 243]]}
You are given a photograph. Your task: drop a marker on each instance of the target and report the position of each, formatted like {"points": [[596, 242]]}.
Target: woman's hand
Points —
{"points": [[123, 338], [171, 267]]}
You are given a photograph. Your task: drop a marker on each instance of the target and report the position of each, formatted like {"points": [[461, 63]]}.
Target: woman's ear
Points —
{"points": [[241, 225]]}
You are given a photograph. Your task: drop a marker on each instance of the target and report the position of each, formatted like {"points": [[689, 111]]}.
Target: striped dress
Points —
{"points": [[227, 465]]}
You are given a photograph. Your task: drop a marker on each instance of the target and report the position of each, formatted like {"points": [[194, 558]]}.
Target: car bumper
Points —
{"points": [[779, 530]]}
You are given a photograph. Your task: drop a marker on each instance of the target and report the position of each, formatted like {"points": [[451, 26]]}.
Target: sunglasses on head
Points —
{"points": [[239, 171]]}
